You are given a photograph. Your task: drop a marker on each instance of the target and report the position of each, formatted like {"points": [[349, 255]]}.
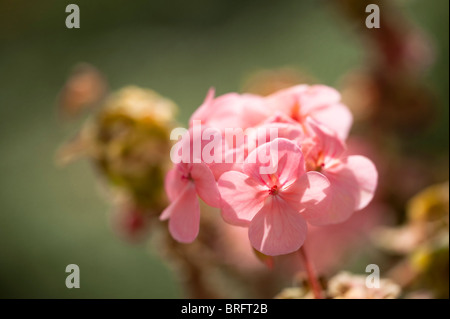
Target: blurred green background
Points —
{"points": [[51, 217]]}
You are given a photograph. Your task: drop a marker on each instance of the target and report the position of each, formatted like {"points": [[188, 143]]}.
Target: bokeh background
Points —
{"points": [[50, 216]]}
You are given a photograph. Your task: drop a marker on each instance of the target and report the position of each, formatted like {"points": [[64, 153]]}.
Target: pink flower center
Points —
{"points": [[295, 113], [187, 176], [273, 190], [320, 167], [317, 163]]}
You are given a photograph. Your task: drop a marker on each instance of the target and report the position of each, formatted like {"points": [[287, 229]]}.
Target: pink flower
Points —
{"points": [[353, 179], [320, 102], [189, 179], [313, 179], [273, 205], [231, 110], [183, 184]]}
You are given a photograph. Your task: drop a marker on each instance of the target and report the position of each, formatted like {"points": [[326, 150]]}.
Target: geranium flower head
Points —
{"points": [[273, 185]]}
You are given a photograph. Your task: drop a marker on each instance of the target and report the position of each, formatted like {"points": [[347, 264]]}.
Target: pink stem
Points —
{"points": [[312, 278]]}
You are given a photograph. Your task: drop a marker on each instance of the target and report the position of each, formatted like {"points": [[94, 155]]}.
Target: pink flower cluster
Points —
{"points": [[313, 180]]}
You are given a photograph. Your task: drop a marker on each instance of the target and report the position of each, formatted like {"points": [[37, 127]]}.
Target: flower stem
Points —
{"points": [[312, 278]]}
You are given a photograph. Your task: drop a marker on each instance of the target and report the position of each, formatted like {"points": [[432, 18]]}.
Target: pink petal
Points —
{"points": [[184, 215], [269, 131], [343, 196], [318, 101], [242, 197], [366, 175], [286, 100], [336, 116], [223, 110], [283, 160], [277, 229], [326, 140], [308, 194], [205, 184], [166, 212], [203, 110], [232, 110], [254, 110], [318, 97], [174, 183], [233, 160]]}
